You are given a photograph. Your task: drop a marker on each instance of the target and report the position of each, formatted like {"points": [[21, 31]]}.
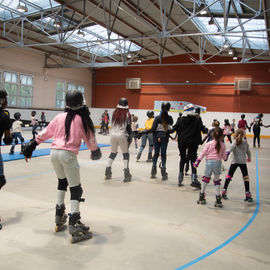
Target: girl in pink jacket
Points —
{"points": [[214, 151], [67, 130]]}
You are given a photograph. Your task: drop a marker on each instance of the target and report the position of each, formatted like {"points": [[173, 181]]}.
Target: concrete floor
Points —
{"points": [[141, 225]]}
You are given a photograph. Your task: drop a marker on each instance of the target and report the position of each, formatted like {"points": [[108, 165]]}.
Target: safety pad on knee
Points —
{"points": [[62, 184], [228, 177], [112, 155], [217, 182], [246, 178], [76, 193], [126, 156], [206, 179]]}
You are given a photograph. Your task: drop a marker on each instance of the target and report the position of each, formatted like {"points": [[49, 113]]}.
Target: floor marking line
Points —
{"points": [[255, 213]]}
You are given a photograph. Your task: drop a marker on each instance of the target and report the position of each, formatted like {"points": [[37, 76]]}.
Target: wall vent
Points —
{"points": [[133, 83], [242, 84]]}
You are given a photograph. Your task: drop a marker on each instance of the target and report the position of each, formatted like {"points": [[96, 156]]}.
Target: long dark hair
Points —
{"points": [[86, 120], [218, 134], [120, 115], [164, 119]]}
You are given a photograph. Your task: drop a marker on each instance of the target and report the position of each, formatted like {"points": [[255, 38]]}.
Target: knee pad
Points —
{"points": [[126, 156], [112, 155], [246, 178], [228, 177], [206, 179], [62, 184], [2, 181], [76, 193], [217, 182]]}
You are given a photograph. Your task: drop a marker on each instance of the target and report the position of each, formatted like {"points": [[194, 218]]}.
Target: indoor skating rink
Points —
{"points": [[141, 225]]}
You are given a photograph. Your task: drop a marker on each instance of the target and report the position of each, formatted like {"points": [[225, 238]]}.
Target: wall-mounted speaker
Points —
{"points": [[242, 84], [133, 83]]}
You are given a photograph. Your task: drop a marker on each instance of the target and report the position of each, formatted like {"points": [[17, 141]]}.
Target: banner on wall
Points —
{"points": [[176, 106]]}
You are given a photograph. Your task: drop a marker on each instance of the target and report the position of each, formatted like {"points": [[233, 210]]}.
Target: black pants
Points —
{"points": [[256, 133], [243, 168], [187, 152]]}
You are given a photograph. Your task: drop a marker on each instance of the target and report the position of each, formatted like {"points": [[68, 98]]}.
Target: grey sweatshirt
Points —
{"points": [[240, 152]]}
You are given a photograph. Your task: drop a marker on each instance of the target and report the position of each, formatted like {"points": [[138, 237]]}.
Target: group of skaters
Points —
{"points": [[72, 126]]}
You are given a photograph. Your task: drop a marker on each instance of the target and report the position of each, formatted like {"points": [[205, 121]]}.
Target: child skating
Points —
{"points": [[241, 155], [17, 132], [67, 130], [214, 151]]}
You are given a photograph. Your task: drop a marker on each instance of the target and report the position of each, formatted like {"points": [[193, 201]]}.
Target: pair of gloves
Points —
{"points": [[29, 148]]}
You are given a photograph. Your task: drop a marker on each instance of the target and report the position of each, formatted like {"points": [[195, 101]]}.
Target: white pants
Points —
{"points": [[119, 140], [66, 165]]}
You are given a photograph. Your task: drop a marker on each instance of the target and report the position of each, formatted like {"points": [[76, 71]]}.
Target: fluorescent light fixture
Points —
{"points": [[235, 58], [80, 33], [139, 60], [230, 52], [225, 45], [129, 56], [22, 8], [57, 23], [211, 21]]}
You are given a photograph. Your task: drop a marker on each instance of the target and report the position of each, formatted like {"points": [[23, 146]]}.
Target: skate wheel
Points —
{"points": [[81, 237], [57, 228]]}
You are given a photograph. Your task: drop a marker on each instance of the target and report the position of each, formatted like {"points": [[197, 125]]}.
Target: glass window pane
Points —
{"points": [[13, 90], [7, 77], [14, 78], [23, 79], [71, 86], [81, 88]]}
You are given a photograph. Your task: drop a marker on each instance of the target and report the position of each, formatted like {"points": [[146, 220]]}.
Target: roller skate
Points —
{"points": [[194, 181], [218, 202], [127, 175], [149, 158], [60, 217], [164, 174], [77, 229], [154, 172], [138, 157], [180, 179], [248, 197], [108, 173], [201, 198], [224, 194]]}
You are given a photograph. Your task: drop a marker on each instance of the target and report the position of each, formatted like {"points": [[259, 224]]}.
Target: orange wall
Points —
{"points": [[214, 97]]}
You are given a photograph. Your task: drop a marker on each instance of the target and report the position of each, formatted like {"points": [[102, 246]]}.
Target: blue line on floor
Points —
{"points": [[255, 213]]}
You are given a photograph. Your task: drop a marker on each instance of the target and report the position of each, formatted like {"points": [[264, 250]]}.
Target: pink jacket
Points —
{"points": [[56, 130], [210, 152]]}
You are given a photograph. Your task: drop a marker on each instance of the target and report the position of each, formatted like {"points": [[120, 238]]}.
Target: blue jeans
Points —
{"points": [[16, 136], [160, 146], [144, 140], [213, 166]]}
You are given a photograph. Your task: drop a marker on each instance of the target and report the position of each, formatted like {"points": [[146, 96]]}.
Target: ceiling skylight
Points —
{"points": [[96, 41], [8, 8], [256, 39]]}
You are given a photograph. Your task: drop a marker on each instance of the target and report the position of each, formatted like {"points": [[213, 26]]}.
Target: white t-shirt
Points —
{"points": [[17, 126]]}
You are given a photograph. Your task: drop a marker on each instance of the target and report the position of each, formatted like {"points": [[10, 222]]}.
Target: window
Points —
{"points": [[60, 94], [19, 89], [62, 88]]}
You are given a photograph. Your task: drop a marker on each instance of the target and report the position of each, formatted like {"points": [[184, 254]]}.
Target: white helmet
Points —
{"points": [[189, 109]]}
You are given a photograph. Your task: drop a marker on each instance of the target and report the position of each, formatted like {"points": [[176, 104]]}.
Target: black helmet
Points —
{"points": [[17, 116], [3, 97], [3, 93], [243, 116], [33, 113], [165, 107], [198, 110], [74, 99], [150, 114], [123, 103], [260, 115]]}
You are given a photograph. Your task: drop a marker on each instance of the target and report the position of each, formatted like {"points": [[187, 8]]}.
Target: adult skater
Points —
{"points": [[120, 135], [188, 129], [257, 124], [67, 130], [17, 132], [149, 137], [160, 129], [5, 126]]}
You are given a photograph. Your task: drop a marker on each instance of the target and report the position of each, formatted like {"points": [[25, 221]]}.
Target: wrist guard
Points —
{"points": [[196, 163], [227, 155], [95, 155], [29, 148]]}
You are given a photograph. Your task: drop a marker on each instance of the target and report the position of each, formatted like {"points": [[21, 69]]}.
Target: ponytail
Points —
{"points": [[239, 135], [218, 135]]}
